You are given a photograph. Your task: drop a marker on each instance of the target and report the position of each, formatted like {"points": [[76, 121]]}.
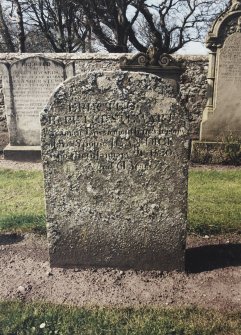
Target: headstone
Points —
{"points": [[28, 84], [222, 116], [163, 66], [114, 150]]}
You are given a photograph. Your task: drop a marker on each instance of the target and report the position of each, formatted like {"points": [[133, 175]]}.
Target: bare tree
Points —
{"points": [[110, 22], [14, 24], [62, 23], [118, 25], [170, 23], [54, 25], [6, 43], [17, 15]]}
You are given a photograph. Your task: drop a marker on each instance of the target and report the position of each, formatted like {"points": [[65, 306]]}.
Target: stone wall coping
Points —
{"points": [[91, 56], [191, 58], [65, 56]]}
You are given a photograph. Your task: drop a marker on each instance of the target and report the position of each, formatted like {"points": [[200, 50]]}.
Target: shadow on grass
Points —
{"points": [[23, 223], [211, 257]]}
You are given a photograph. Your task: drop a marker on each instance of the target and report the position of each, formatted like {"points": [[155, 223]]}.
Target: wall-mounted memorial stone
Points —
{"points": [[28, 84], [222, 116], [114, 150], [152, 62]]}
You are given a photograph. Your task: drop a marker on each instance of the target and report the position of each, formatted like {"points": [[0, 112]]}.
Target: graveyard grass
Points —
{"points": [[40, 319], [21, 201], [214, 201]]}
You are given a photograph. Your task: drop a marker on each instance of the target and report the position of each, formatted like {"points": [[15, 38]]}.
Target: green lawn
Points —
{"points": [[41, 319], [214, 201], [21, 201]]}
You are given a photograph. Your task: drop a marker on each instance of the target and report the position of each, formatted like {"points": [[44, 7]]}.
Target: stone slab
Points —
{"points": [[27, 85], [22, 153], [224, 120], [115, 157]]}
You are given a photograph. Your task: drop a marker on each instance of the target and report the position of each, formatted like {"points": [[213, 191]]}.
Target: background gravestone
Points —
{"points": [[222, 116], [114, 151], [28, 84]]}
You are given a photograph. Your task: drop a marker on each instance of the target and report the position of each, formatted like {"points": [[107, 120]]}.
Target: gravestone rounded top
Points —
{"points": [[34, 61], [226, 24], [115, 162]]}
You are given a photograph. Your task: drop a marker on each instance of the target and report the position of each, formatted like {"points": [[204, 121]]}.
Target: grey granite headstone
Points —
{"points": [[114, 149]]}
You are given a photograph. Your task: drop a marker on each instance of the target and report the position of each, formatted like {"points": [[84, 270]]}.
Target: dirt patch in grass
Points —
{"points": [[213, 278]]}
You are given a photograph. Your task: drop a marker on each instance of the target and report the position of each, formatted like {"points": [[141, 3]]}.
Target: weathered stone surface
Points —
{"points": [[28, 84], [216, 153], [193, 90], [114, 152]]}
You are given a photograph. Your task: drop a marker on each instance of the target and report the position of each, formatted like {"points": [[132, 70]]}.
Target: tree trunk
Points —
{"points": [[21, 32], [4, 31]]}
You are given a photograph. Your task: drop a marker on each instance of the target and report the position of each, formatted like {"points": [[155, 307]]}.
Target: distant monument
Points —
{"points": [[222, 116], [115, 157], [27, 86]]}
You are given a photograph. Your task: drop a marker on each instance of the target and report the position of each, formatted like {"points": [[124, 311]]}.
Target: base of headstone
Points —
{"points": [[224, 153], [22, 153], [4, 140]]}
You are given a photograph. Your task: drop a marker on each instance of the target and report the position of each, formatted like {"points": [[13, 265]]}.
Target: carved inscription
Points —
{"points": [[227, 115], [110, 137], [230, 59], [33, 81]]}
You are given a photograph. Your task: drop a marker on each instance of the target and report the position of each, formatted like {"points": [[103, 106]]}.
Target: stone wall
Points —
{"points": [[193, 86], [193, 89]]}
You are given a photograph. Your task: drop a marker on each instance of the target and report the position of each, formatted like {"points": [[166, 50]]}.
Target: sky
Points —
{"points": [[193, 48]]}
